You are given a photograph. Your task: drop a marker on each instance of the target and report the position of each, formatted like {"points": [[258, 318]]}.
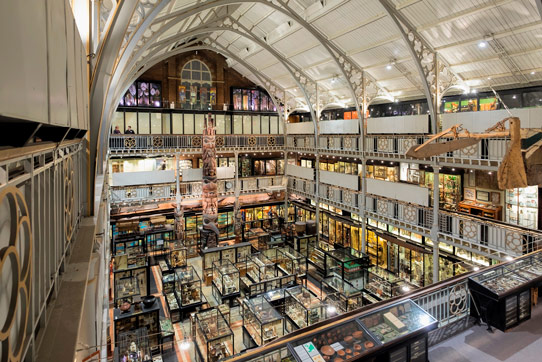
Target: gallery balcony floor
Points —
{"points": [[520, 344]]}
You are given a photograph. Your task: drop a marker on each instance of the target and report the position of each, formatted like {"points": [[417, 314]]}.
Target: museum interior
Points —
{"points": [[271, 180]]}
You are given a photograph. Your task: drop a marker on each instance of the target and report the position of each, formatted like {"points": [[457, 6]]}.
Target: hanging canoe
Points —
{"points": [[434, 149]]}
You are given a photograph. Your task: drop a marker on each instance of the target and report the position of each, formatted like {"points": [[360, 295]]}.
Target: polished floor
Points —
{"points": [[520, 344]]}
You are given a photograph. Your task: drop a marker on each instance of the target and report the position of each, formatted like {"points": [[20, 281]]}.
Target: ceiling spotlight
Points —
{"points": [[405, 288], [533, 73], [509, 258], [482, 44], [514, 96], [331, 309], [476, 268], [488, 78], [473, 91], [388, 67]]}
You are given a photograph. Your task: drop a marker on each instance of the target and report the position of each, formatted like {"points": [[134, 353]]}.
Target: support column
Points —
{"points": [[237, 226], [363, 204], [317, 163], [435, 226]]}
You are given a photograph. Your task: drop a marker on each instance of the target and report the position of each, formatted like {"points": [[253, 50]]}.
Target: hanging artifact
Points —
{"points": [[209, 231], [521, 165]]}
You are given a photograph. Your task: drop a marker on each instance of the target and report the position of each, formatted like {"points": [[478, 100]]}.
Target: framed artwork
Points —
{"points": [[193, 94], [482, 196], [496, 197], [470, 194]]}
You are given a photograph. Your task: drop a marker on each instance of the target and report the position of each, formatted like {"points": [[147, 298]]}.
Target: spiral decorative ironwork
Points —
{"points": [[16, 266], [130, 142]]}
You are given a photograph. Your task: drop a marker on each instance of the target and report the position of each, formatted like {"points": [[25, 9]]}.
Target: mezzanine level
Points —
{"points": [[141, 194], [191, 144], [484, 155], [493, 239]]}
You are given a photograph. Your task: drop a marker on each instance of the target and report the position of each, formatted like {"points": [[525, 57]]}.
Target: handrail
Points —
{"points": [[349, 316], [10, 153]]}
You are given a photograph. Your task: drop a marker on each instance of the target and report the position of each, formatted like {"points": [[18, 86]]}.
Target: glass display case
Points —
{"points": [[127, 244], [173, 306], [177, 257], [341, 294], [214, 337], [235, 253], [301, 243], [138, 268], [188, 287], [125, 291], [133, 346], [343, 342], [139, 316], [402, 329], [225, 281], [384, 284], [503, 294], [302, 308], [288, 260], [258, 238], [261, 322], [259, 268], [348, 264], [522, 206], [157, 237]]}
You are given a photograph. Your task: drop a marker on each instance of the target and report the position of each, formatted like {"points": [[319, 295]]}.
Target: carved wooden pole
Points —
{"points": [[209, 231]]}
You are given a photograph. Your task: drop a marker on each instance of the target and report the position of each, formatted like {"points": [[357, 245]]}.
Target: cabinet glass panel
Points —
{"points": [[225, 277], [214, 337], [261, 321], [188, 286], [303, 307], [344, 342], [499, 280], [402, 318]]}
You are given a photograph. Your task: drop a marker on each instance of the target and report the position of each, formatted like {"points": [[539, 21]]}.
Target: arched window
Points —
{"points": [[196, 84]]}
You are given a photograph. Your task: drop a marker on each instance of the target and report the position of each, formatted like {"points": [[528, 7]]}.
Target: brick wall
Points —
{"points": [[168, 72]]}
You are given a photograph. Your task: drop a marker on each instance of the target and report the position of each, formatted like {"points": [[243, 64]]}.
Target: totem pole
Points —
{"points": [[209, 200]]}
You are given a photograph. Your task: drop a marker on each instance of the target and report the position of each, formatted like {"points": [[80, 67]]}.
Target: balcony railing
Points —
{"points": [[490, 238], [178, 142], [189, 190], [486, 152], [345, 143]]}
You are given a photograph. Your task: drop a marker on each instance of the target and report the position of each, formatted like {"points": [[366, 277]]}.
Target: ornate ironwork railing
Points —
{"points": [[179, 142]]}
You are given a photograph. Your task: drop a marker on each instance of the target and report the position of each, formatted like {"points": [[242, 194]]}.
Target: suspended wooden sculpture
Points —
{"points": [[512, 169], [209, 232], [519, 167]]}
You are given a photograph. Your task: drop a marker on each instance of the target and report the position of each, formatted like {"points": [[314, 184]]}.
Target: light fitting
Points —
{"points": [[482, 44]]}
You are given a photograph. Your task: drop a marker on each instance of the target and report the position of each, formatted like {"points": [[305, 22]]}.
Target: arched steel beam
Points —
{"points": [[134, 16], [130, 76], [304, 83], [435, 74]]}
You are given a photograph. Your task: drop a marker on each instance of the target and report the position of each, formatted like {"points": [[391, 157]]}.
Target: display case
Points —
{"points": [[126, 289], [225, 286], [235, 253], [177, 257], [402, 329], [302, 308], [133, 346], [214, 338], [288, 260], [261, 322], [502, 295], [347, 264], [341, 294], [188, 287], [258, 238], [138, 316], [127, 244], [156, 237], [316, 255], [301, 243], [172, 304], [259, 268], [138, 269], [522, 206], [251, 289], [343, 342], [384, 284]]}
